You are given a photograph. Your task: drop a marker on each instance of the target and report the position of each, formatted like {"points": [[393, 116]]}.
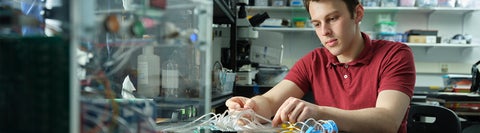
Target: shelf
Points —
{"points": [[216, 98], [284, 29], [274, 8], [152, 13], [429, 46], [442, 10], [111, 11], [442, 45]]}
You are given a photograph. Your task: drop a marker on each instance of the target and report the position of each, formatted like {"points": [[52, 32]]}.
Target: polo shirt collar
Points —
{"points": [[364, 58]]}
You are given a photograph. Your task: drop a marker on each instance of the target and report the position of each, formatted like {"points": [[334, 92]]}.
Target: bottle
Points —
{"points": [[148, 66], [170, 77]]}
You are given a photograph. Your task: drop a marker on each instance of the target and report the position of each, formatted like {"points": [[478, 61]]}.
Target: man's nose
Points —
{"points": [[326, 30]]}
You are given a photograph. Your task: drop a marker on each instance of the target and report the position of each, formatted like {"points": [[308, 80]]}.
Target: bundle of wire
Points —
{"points": [[229, 122], [310, 126], [226, 122]]}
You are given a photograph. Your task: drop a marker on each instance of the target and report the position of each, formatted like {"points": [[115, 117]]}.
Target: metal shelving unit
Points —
{"points": [[394, 10], [447, 10], [285, 29], [182, 26]]}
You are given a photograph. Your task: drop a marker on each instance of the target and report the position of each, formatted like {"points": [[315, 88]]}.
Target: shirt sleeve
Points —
{"points": [[399, 72], [298, 74]]}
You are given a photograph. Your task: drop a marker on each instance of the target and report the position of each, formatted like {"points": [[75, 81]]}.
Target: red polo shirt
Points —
{"points": [[382, 65]]}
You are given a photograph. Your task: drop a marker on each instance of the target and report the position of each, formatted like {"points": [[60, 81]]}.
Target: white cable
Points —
{"points": [[190, 123], [225, 122], [124, 58]]}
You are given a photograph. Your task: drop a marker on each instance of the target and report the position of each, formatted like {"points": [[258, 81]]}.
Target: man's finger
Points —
{"points": [[249, 104], [276, 119], [233, 104]]}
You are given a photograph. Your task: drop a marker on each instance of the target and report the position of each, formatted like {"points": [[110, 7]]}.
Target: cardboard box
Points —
{"points": [[422, 32], [422, 39]]}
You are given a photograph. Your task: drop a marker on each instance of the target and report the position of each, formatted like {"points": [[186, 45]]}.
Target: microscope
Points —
{"points": [[246, 32]]}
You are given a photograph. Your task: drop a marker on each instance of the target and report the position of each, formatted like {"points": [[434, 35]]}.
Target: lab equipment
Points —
{"points": [[118, 115], [457, 82], [148, 68], [296, 3], [148, 39], [475, 78], [170, 77], [111, 23], [245, 29]]}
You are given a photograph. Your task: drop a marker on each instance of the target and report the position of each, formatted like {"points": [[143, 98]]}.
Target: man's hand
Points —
{"points": [[295, 110], [240, 103]]}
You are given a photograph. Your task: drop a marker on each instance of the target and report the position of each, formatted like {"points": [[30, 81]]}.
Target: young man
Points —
{"points": [[363, 85]]}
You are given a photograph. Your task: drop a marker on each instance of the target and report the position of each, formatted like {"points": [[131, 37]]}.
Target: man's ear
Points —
{"points": [[359, 12]]}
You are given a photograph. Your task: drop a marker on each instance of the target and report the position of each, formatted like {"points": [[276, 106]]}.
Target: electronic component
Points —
{"points": [[111, 23], [475, 78]]}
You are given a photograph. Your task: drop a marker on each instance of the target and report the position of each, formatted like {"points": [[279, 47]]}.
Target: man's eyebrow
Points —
{"points": [[329, 14]]}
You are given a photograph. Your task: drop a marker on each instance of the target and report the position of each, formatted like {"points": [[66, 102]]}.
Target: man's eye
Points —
{"points": [[333, 18]]}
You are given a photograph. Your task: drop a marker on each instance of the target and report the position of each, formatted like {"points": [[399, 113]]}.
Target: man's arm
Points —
{"points": [[268, 103], [386, 117]]}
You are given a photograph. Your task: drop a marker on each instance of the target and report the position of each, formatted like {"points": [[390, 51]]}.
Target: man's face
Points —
{"points": [[333, 25]]}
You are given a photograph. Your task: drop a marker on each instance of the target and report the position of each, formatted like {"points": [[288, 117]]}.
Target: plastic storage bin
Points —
{"points": [[261, 2], [386, 27], [446, 3], [296, 3], [406, 3], [279, 2], [371, 3], [389, 3], [465, 3], [427, 3], [227, 80], [299, 22]]}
